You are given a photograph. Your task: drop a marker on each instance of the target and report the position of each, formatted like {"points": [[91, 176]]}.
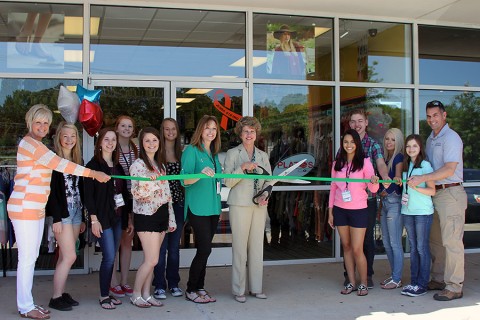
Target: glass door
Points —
{"points": [[192, 100]]}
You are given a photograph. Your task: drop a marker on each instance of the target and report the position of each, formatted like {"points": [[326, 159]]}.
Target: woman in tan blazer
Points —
{"points": [[247, 214]]}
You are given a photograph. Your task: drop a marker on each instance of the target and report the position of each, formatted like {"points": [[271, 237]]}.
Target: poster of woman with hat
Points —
{"points": [[287, 52]]}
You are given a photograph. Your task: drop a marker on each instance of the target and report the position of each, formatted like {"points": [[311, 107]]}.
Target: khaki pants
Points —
{"points": [[446, 237], [248, 227]]}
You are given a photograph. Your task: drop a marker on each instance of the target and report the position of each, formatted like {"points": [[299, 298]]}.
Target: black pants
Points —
{"points": [[369, 241], [204, 228]]}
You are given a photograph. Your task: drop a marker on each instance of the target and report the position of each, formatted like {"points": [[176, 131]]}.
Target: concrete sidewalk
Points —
{"points": [[309, 291]]}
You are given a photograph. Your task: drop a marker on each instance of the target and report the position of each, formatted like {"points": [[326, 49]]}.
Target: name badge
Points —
{"points": [[347, 196], [119, 202], [405, 199], [218, 187]]}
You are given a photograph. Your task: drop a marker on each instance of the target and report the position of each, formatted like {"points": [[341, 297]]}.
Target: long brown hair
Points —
{"points": [[178, 143], [197, 135], [76, 155], [133, 146], [159, 154], [98, 146], [421, 155]]}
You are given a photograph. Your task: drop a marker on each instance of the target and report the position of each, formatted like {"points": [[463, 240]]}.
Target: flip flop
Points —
{"points": [[107, 304], [153, 301], [204, 293], [140, 302], [34, 314], [196, 298], [267, 189], [115, 301]]}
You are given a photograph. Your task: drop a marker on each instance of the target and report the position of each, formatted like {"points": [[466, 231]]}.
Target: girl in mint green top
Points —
{"points": [[202, 201]]}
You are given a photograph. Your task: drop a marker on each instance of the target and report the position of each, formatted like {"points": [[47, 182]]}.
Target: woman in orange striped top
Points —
{"points": [[26, 206]]}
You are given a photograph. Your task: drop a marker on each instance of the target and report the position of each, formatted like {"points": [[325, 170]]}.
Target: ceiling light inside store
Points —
{"points": [[76, 56], [344, 34], [257, 61], [198, 91], [185, 100], [178, 106], [320, 30], [73, 26]]}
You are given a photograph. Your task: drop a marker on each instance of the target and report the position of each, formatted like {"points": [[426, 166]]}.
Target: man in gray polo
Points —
{"points": [[444, 151]]}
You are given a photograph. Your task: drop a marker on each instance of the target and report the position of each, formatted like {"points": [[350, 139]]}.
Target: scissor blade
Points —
{"points": [[297, 181], [289, 170]]}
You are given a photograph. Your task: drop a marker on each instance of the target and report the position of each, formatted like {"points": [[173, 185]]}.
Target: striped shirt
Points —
{"points": [[35, 163]]}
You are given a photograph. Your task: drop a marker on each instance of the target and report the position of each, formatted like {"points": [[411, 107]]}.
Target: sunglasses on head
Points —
{"points": [[435, 103]]}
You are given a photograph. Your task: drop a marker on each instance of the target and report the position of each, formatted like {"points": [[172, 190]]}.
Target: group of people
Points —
{"points": [[427, 198], [56, 184]]}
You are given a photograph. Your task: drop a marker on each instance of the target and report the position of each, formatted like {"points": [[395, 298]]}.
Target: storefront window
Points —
{"points": [[386, 108], [168, 42], [373, 51], [292, 47], [297, 123], [41, 38], [448, 56]]}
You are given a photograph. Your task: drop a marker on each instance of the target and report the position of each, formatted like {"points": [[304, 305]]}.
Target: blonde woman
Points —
{"points": [[391, 218], [26, 208]]}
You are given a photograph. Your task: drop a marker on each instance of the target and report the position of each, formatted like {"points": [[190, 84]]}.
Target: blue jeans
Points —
{"points": [[392, 226], [109, 243], [418, 231], [171, 243]]}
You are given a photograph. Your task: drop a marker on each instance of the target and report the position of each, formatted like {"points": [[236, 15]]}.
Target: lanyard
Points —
{"points": [[347, 174], [129, 156], [408, 176]]}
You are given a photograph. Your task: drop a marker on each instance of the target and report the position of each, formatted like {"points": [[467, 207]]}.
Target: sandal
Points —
{"points": [[42, 309], [347, 289], [153, 302], [195, 297], [115, 301], [386, 281], [392, 285], [268, 190], [140, 302], [35, 314], [204, 293], [107, 304], [362, 290]]}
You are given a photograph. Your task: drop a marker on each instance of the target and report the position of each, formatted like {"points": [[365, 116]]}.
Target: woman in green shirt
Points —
{"points": [[202, 201]]}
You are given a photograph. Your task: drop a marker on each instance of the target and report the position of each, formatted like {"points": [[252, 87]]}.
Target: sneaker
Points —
{"points": [[406, 289], [416, 291], [68, 299], [447, 295], [117, 292], [370, 282], [59, 304], [176, 292], [127, 290], [159, 294], [436, 285]]}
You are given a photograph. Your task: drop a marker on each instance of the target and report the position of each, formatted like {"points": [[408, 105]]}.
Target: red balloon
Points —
{"points": [[90, 116]]}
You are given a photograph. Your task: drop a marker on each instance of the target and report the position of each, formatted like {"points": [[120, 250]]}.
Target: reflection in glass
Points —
{"points": [[292, 47], [296, 120], [449, 56], [38, 37], [386, 108], [173, 42], [144, 105], [375, 52]]}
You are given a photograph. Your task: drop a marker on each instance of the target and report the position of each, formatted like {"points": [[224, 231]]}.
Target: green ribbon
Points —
{"points": [[245, 176]]}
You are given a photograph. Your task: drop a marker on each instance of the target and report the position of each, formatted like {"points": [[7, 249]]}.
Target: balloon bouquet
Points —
{"points": [[84, 106]]}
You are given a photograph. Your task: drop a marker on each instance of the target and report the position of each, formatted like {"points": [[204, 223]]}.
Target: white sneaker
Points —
{"points": [[176, 292], [159, 294]]}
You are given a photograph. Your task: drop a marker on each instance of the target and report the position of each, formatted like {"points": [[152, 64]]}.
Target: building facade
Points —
{"points": [[299, 71]]}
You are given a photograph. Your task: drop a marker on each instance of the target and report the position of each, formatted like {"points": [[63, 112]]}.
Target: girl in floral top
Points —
{"points": [[152, 205]]}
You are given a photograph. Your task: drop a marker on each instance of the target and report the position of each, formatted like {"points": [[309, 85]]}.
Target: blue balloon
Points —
{"points": [[90, 95]]}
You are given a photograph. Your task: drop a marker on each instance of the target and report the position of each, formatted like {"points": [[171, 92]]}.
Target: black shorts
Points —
{"points": [[157, 222], [357, 218]]}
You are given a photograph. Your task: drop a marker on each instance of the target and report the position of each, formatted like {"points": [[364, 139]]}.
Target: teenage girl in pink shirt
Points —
{"points": [[347, 209]]}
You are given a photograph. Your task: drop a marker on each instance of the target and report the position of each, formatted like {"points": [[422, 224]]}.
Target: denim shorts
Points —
{"points": [[357, 218], [74, 216]]}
